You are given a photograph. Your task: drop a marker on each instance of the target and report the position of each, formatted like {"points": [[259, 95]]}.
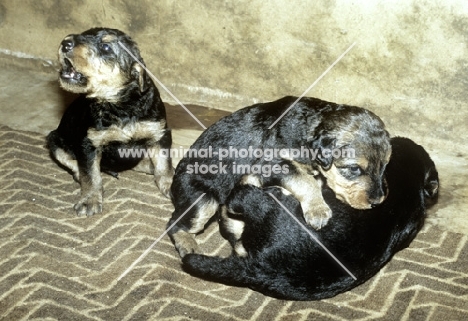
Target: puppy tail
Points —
{"points": [[232, 270]]}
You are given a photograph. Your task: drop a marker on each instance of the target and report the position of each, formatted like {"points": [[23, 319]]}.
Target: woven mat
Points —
{"points": [[56, 266]]}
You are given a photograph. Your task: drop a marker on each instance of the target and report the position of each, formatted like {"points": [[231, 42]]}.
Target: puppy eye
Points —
{"points": [[106, 47], [355, 170], [351, 171]]}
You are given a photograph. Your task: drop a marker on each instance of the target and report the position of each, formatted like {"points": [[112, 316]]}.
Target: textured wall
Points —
{"points": [[410, 63]]}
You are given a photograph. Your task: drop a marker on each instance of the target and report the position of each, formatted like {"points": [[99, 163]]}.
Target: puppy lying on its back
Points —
{"points": [[283, 261]]}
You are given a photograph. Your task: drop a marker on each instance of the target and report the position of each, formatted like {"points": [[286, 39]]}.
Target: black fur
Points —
{"points": [[312, 124], [285, 262], [99, 106]]}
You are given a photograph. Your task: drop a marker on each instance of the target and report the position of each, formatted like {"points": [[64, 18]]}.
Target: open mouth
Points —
{"points": [[69, 73]]}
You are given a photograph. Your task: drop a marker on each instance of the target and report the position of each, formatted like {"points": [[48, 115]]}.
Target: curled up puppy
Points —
{"points": [[273, 254], [118, 107], [308, 124]]}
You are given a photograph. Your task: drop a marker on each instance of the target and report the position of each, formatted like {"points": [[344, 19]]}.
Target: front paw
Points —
{"points": [[184, 249], [90, 205], [164, 183], [318, 216], [184, 242], [186, 246]]}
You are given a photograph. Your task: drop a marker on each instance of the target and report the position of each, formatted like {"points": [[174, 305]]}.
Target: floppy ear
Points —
{"points": [[324, 143], [139, 74]]}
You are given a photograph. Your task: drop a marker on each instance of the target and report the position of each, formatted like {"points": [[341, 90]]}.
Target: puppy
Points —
{"points": [[315, 129], [118, 108], [278, 258]]}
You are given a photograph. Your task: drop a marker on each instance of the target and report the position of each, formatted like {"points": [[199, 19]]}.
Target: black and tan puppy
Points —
{"points": [[119, 108], [314, 129], [281, 260]]}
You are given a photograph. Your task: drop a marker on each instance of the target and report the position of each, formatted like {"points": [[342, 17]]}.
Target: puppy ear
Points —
{"points": [[323, 144], [431, 183], [139, 74]]}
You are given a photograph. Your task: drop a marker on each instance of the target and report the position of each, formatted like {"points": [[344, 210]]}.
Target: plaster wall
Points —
{"points": [[409, 63]]}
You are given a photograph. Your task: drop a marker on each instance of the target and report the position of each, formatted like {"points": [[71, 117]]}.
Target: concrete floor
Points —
{"points": [[32, 101]]}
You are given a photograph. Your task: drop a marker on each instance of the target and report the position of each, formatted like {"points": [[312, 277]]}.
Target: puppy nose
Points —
{"points": [[67, 45], [374, 205], [376, 201]]}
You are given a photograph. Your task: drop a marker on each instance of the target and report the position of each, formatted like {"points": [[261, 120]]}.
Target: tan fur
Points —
{"points": [[105, 81], [352, 192], [91, 190], [136, 130], [235, 227], [361, 162], [108, 38], [284, 191], [252, 180], [68, 161], [153, 131], [203, 215], [163, 174], [141, 72], [184, 242], [307, 189]]}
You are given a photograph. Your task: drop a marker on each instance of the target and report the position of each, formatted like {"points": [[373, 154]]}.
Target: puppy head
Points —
{"points": [[94, 63], [419, 167], [353, 150]]}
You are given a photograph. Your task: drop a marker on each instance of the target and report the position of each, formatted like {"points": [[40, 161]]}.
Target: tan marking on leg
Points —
{"points": [[162, 169], [234, 227], [239, 249], [68, 161], [185, 243], [308, 191], [163, 175], [91, 190], [202, 216]]}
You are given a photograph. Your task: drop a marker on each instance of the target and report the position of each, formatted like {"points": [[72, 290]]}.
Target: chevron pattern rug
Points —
{"points": [[56, 266]]}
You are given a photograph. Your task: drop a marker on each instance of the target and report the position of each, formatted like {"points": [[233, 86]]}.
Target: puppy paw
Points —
{"points": [[164, 183], [184, 242], [318, 216], [76, 177], [89, 205], [189, 247]]}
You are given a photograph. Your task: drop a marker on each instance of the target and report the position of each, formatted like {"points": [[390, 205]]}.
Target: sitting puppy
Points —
{"points": [[118, 108], [314, 128], [278, 258]]}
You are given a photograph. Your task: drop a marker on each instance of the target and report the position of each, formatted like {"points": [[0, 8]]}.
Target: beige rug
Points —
{"points": [[56, 266]]}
